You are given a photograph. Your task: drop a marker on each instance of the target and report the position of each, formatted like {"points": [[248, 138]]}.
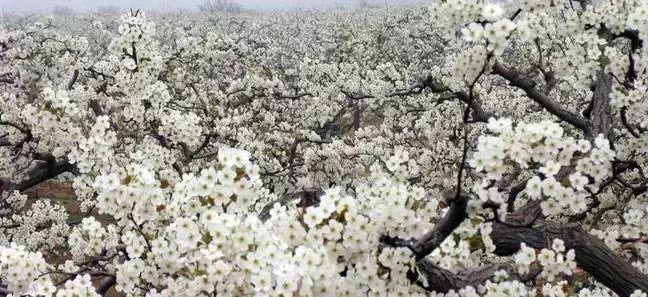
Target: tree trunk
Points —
{"points": [[592, 254]]}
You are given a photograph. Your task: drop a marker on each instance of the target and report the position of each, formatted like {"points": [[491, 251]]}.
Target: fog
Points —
{"points": [[82, 5]]}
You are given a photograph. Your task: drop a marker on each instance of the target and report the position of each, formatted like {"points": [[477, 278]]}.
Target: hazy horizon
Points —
{"points": [[84, 5]]}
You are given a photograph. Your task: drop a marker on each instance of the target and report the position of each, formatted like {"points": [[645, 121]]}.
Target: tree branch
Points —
{"points": [[427, 243], [517, 79], [442, 280], [527, 226], [592, 254], [626, 124], [44, 172], [601, 116], [105, 284], [73, 80]]}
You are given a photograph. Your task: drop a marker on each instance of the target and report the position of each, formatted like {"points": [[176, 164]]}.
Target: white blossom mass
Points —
{"points": [[459, 148]]}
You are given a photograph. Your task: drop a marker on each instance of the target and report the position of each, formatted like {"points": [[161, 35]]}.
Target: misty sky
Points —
{"points": [[35, 5]]}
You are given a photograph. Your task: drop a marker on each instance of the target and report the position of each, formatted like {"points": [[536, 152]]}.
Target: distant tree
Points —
{"points": [[60, 10], [369, 3], [212, 6], [109, 10]]}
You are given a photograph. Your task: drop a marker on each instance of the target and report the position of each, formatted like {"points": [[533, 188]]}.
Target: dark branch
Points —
{"points": [[105, 284], [601, 116], [592, 254], [43, 173], [517, 79]]}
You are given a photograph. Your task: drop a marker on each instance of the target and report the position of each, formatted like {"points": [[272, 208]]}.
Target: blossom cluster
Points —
{"points": [[95, 152], [554, 262], [21, 271], [495, 31], [198, 235], [544, 148]]}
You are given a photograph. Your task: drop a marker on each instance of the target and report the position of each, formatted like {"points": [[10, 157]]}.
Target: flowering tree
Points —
{"points": [[466, 149], [215, 6]]}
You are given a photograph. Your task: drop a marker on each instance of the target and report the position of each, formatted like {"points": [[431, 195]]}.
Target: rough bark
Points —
{"points": [[601, 115], [592, 254]]}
